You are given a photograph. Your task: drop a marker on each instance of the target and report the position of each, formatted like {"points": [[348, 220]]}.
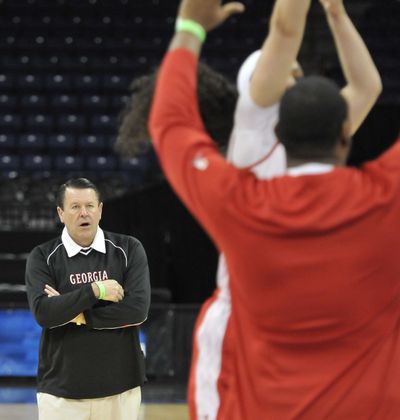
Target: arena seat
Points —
{"points": [[64, 102], [101, 164], [31, 142], [9, 163], [8, 142], [91, 143], [40, 123], [10, 123], [61, 143], [34, 102], [8, 102], [71, 123], [68, 164], [37, 162]]}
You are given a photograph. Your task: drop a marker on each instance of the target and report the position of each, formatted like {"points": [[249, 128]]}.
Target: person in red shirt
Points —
{"points": [[312, 254], [253, 146]]}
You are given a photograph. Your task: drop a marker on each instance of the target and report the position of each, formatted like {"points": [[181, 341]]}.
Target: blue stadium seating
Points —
{"points": [[19, 338], [64, 102], [68, 164], [66, 67], [9, 163], [37, 163], [30, 142], [8, 102], [61, 143], [34, 103], [101, 164], [7, 142], [91, 143], [10, 123]]}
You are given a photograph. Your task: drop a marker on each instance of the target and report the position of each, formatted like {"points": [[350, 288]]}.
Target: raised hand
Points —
{"points": [[332, 7], [208, 13], [50, 291]]}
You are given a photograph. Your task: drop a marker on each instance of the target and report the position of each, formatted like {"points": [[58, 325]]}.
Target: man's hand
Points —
{"points": [[50, 292], [332, 7], [79, 319], [208, 13], [114, 291]]}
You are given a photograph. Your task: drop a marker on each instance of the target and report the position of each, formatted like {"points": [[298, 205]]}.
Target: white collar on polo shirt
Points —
{"points": [[73, 248], [312, 168]]}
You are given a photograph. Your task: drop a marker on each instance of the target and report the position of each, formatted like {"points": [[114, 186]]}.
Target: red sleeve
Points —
{"points": [[387, 164], [390, 158], [190, 160]]}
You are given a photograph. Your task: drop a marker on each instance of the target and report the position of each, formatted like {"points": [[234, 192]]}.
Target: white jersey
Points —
{"points": [[253, 142], [252, 145]]}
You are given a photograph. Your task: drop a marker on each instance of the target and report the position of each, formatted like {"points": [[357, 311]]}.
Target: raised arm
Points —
{"points": [[279, 52], [207, 13], [57, 310], [363, 81]]}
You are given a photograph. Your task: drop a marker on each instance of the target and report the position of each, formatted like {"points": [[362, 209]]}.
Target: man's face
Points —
{"points": [[81, 214]]}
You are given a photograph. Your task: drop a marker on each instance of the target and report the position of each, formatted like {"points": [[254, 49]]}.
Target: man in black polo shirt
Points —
{"points": [[89, 290]]}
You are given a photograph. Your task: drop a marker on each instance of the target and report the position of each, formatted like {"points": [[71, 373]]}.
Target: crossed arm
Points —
{"points": [[113, 292], [129, 304]]}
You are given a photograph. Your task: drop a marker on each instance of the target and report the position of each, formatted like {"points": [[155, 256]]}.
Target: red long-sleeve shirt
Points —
{"points": [[313, 263]]}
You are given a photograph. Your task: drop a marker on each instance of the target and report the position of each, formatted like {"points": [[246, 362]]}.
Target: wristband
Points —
{"points": [[191, 26], [102, 290]]}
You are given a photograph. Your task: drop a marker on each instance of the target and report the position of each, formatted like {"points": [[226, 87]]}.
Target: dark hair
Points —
{"points": [[217, 100], [77, 183], [311, 116]]}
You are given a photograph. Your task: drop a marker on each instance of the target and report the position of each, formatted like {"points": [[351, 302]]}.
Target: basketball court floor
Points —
{"points": [[147, 412], [162, 400]]}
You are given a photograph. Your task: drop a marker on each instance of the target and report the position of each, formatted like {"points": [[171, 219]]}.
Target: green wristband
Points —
{"points": [[102, 290], [191, 26]]}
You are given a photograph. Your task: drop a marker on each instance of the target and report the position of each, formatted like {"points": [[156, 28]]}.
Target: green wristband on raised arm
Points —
{"points": [[191, 26], [102, 290]]}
